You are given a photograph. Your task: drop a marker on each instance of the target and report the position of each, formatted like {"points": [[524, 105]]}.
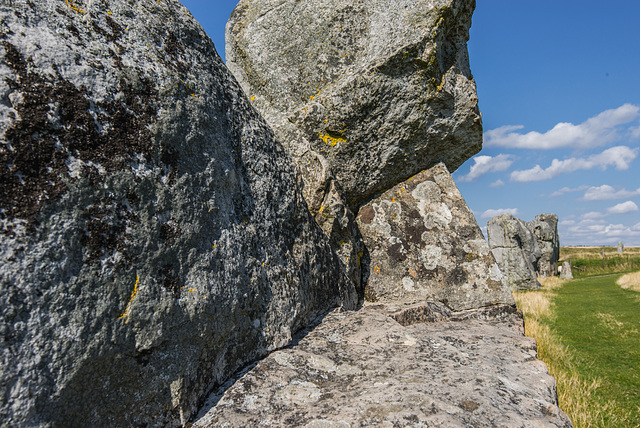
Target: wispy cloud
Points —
{"points": [[485, 164], [596, 131], [497, 183], [620, 157], [606, 192], [564, 190], [597, 232], [623, 208], [499, 211]]}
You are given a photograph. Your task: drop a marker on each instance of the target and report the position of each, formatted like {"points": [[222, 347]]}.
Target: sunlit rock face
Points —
{"points": [[154, 236], [381, 90], [425, 245]]}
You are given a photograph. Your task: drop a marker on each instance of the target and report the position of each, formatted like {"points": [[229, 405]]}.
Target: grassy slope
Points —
{"points": [[600, 323]]}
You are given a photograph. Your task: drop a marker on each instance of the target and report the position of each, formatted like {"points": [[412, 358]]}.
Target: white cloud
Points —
{"points": [[564, 190], [620, 157], [592, 215], [606, 192], [592, 232], [500, 211], [596, 131], [623, 208], [486, 164], [497, 183]]}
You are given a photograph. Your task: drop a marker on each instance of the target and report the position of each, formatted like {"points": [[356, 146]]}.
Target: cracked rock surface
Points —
{"points": [[153, 233], [362, 369]]}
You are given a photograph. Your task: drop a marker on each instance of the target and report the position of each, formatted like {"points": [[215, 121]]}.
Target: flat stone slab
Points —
{"points": [[363, 368]]}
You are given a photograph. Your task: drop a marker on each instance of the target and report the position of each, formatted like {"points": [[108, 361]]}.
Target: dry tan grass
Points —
{"points": [[630, 281], [575, 394]]}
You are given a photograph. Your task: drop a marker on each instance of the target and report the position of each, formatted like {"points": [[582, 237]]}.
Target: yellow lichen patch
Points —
{"points": [[76, 8], [191, 290], [376, 269], [332, 141], [125, 314], [253, 98]]}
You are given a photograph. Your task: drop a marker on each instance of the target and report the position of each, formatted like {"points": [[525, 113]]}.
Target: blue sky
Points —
{"points": [[559, 89]]}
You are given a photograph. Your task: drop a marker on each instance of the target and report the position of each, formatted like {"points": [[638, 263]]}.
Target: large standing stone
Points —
{"points": [[516, 251], [425, 245], [620, 247], [153, 234], [545, 229]]}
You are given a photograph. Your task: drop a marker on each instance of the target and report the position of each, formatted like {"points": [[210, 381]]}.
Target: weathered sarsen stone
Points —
{"points": [[516, 250], [545, 229], [425, 245], [154, 237], [381, 90]]}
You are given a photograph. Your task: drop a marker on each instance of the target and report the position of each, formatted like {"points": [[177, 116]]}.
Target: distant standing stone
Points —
{"points": [[566, 273], [620, 247]]}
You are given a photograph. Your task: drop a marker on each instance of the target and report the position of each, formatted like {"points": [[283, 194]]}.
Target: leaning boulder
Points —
{"points": [[425, 245], [380, 91], [545, 228], [516, 251], [154, 237]]}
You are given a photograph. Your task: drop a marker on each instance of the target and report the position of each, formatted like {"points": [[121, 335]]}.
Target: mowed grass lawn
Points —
{"points": [[589, 335]]}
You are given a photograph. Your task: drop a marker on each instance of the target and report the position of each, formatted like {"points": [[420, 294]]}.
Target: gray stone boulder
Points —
{"points": [[361, 369], [380, 90], [545, 229], [620, 247], [425, 245], [363, 96], [516, 250], [566, 271], [154, 237]]}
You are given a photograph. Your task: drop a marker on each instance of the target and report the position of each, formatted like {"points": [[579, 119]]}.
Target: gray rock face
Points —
{"points": [[566, 271], [154, 237], [425, 245], [516, 250], [545, 229], [379, 90], [361, 369]]}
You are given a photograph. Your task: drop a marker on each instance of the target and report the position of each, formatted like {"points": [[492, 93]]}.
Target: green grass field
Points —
{"points": [[588, 334], [600, 324], [588, 261]]}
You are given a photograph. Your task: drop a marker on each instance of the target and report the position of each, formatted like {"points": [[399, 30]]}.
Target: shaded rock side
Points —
{"points": [[362, 369], [545, 229], [516, 250], [425, 245], [379, 90], [154, 237]]}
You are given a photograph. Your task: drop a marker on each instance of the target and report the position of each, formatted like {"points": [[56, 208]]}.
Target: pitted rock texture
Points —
{"points": [[425, 245], [379, 89], [545, 228], [516, 250], [154, 237], [362, 369]]}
